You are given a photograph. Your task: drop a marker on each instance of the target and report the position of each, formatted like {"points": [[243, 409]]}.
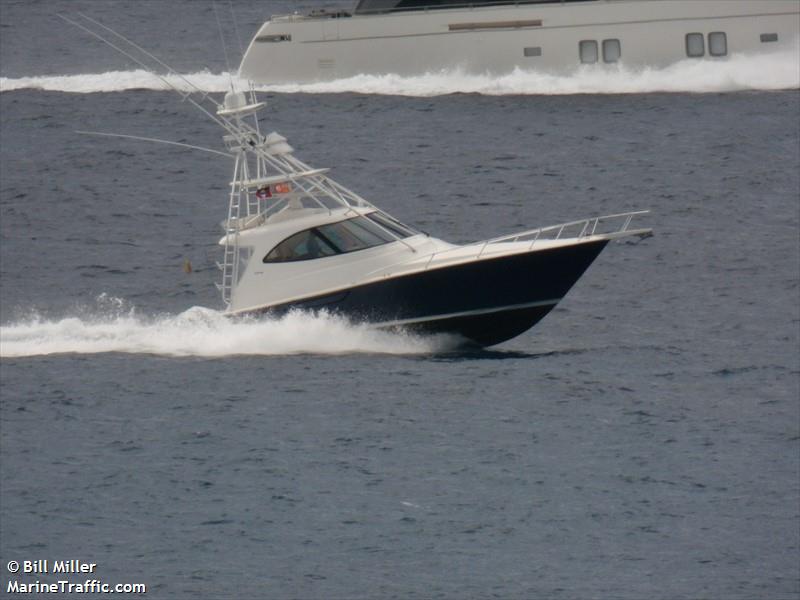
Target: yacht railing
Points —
{"points": [[573, 230], [587, 227]]}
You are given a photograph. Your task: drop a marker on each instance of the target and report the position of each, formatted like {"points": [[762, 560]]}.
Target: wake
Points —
{"points": [[203, 332], [776, 71]]}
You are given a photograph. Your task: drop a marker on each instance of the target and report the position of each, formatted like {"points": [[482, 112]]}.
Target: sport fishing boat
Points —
{"points": [[295, 239], [413, 37]]}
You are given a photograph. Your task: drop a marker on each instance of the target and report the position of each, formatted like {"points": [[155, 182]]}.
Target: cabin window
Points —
{"points": [[335, 238], [695, 46], [769, 37], [532, 51], [394, 227], [611, 51], [301, 246], [588, 51], [355, 234], [717, 43]]}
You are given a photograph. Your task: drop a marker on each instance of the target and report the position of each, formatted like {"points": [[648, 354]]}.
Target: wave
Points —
{"points": [[120, 81], [203, 332], [776, 71]]}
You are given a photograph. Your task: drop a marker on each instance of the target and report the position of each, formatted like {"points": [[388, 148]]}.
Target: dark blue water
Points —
{"points": [[641, 442]]}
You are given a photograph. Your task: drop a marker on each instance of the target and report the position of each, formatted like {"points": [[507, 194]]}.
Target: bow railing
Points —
{"points": [[607, 226]]}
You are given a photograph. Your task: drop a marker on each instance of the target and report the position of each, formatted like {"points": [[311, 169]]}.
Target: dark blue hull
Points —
{"points": [[487, 301]]}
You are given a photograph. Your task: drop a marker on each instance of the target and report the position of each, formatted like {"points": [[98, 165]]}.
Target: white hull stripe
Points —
{"points": [[468, 313]]}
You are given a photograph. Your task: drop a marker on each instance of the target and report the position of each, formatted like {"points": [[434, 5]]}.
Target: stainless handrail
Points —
{"points": [[585, 232], [562, 226]]}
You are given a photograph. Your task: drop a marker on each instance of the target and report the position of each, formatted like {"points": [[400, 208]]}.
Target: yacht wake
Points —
{"points": [[202, 332], [120, 81], [776, 71]]}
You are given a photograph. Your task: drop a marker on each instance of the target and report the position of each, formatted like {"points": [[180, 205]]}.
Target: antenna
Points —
{"points": [[242, 138], [218, 119], [224, 47], [157, 140], [160, 62], [236, 28]]}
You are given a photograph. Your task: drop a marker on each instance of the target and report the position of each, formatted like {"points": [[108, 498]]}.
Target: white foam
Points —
{"points": [[776, 71], [203, 332], [119, 81]]}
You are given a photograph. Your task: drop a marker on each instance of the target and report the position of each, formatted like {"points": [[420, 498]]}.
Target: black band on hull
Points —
{"points": [[486, 329], [487, 301]]}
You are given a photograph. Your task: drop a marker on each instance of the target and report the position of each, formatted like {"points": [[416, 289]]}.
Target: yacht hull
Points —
{"points": [[549, 37], [485, 301]]}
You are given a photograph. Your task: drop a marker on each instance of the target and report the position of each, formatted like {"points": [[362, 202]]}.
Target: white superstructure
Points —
{"points": [[412, 37]]}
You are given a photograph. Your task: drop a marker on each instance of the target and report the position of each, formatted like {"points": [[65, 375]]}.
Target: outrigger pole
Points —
{"points": [[156, 140], [274, 162]]}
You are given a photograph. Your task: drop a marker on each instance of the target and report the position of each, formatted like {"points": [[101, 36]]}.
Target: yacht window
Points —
{"points": [[532, 51], [336, 238], [355, 234], [301, 246], [611, 51], [769, 37], [396, 227], [695, 46], [588, 51], [717, 43]]}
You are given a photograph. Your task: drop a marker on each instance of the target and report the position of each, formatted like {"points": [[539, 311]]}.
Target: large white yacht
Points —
{"points": [[412, 37]]}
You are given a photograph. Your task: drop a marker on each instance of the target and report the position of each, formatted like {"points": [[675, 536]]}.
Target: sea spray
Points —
{"points": [[203, 332]]}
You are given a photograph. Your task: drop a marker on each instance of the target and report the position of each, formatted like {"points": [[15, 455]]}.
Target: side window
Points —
{"points": [[588, 51], [338, 238], [397, 228], [335, 238], [342, 237], [355, 234], [695, 46], [367, 231], [717, 43], [611, 51], [301, 246]]}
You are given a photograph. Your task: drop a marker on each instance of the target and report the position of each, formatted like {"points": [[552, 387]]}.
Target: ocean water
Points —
{"points": [[642, 441]]}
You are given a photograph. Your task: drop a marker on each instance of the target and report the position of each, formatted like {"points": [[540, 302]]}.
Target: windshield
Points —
{"points": [[360, 233]]}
